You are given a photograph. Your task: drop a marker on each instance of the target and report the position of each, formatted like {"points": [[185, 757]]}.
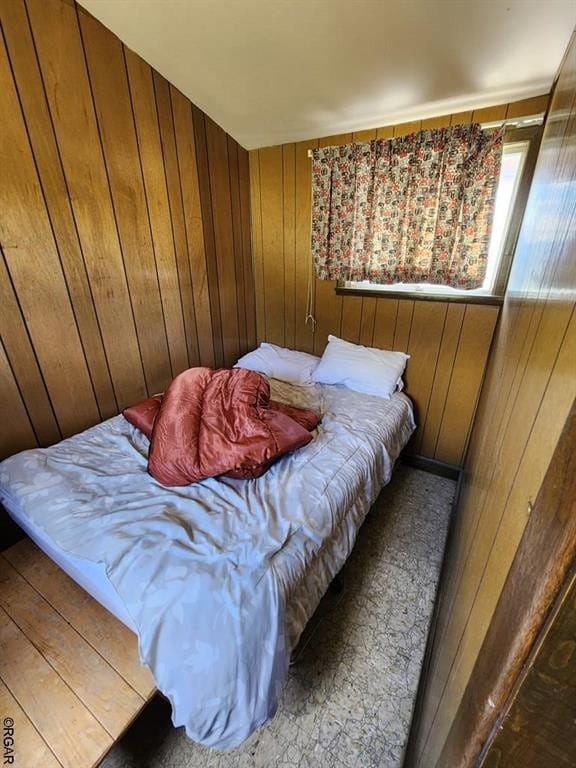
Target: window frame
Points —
{"points": [[533, 135]]}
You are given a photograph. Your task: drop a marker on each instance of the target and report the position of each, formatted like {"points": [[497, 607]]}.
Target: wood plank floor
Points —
{"points": [[70, 679]]}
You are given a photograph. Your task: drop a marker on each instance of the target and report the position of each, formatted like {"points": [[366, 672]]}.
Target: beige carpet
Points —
{"points": [[349, 696]]}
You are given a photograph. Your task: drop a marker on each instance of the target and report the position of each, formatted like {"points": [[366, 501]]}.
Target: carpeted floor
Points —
{"points": [[350, 693]]}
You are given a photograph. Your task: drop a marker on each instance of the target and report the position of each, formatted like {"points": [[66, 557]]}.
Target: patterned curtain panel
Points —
{"points": [[416, 209]]}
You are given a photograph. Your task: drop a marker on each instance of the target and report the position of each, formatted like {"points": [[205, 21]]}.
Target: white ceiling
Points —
{"points": [[273, 71]]}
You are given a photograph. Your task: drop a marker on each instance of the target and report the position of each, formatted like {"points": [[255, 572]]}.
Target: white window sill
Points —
{"points": [[440, 293]]}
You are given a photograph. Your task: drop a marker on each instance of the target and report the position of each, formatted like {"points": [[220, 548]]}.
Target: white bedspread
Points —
{"points": [[206, 571]]}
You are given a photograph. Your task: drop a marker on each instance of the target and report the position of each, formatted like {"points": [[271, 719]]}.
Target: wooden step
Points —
{"points": [[70, 677]]}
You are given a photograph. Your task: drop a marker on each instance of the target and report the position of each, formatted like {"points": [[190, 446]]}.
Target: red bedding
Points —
{"points": [[221, 422]]}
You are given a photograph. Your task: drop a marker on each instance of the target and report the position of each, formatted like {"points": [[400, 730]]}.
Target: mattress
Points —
{"points": [[251, 558], [91, 576]]}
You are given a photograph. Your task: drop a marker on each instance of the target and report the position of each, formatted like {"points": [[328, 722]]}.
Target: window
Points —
{"points": [[519, 153]]}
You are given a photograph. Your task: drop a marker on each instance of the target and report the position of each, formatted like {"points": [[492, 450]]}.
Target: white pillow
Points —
{"points": [[364, 369], [280, 363]]}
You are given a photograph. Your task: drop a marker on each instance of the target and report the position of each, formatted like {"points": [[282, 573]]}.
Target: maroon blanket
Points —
{"points": [[222, 422]]}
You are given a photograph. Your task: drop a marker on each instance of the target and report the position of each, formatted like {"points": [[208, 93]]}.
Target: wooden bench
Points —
{"points": [[70, 677]]}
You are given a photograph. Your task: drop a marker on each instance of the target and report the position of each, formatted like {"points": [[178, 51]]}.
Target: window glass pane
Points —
{"points": [[513, 158]]}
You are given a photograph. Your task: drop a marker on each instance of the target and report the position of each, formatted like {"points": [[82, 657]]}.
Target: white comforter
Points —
{"points": [[207, 572]]}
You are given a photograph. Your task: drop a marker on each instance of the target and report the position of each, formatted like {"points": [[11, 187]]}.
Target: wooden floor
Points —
{"points": [[69, 672]]}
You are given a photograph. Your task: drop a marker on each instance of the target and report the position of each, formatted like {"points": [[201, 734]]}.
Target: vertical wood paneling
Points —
{"points": [[461, 118], [532, 106], [441, 394], [272, 224], [258, 265], [351, 318], [403, 129], [168, 137], [386, 132], [107, 70], [148, 132], [527, 395], [385, 323], [368, 321], [504, 375], [423, 347], [486, 553], [249, 299], [466, 378], [199, 229], [304, 336], [403, 325], [488, 114], [367, 135], [46, 155], [34, 266], [444, 365], [17, 432], [218, 163], [289, 230], [328, 313], [436, 122], [237, 232], [20, 352], [109, 282], [212, 264], [59, 46]]}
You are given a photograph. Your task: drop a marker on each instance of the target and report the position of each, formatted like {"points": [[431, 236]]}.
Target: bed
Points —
{"points": [[219, 578]]}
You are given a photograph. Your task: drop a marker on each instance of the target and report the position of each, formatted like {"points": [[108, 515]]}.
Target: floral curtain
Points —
{"points": [[416, 209]]}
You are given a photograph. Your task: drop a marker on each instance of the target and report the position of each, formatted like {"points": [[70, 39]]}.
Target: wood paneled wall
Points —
{"points": [[526, 398], [448, 342], [124, 226]]}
